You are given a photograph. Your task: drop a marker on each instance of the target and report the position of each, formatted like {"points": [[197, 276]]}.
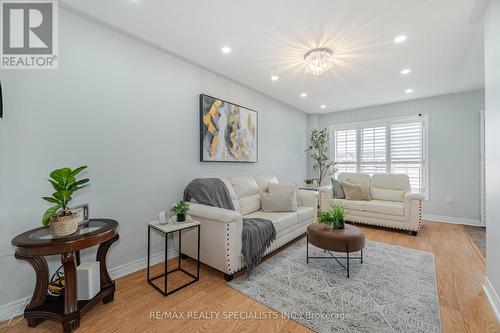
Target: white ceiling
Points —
{"points": [[269, 37]]}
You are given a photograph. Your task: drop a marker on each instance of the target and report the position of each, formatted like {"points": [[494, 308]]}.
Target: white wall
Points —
{"points": [[454, 147], [492, 77], [130, 113], [312, 123]]}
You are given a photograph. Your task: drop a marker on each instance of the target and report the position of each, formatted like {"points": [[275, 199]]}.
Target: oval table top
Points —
{"points": [[349, 239], [41, 242]]}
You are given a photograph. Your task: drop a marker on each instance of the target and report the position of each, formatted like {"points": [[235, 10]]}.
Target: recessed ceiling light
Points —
{"points": [[409, 91], [323, 106], [226, 49], [274, 78], [406, 71], [303, 95], [400, 39]]}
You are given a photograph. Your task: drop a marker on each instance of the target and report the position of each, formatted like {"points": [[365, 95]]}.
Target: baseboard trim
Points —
{"points": [[16, 307], [492, 297], [141, 263], [452, 220], [13, 308]]}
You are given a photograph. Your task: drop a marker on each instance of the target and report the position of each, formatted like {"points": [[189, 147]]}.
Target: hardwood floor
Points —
{"points": [[459, 273]]}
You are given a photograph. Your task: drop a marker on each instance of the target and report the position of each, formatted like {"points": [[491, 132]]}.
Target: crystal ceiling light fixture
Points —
{"points": [[319, 60]]}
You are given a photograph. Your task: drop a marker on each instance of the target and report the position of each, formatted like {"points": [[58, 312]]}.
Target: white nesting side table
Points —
{"points": [[167, 229]]}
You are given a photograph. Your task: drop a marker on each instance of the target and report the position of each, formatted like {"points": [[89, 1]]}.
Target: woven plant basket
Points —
{"points": [[63, 225]]}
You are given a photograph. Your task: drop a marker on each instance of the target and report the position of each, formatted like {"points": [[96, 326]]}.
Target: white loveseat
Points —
{"points": [[221, 229], [392, 203]]}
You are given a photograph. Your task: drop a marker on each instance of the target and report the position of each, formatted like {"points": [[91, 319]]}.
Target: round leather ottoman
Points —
{"points": [[347, 240]]}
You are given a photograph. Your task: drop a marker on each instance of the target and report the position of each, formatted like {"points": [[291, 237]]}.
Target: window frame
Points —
{"points": [[386, 122]]}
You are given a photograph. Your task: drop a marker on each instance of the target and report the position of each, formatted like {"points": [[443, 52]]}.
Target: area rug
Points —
{"points": [[393, 290]]}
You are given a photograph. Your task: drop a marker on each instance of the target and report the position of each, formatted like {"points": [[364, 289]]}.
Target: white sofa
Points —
{"points": [[221, 229], [392, 203]]}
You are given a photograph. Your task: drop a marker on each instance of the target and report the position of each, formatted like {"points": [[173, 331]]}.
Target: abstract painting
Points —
{"points": [[228, 132]]}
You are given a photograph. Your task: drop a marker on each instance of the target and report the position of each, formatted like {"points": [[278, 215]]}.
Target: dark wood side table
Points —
{"points": [[33, 245]]}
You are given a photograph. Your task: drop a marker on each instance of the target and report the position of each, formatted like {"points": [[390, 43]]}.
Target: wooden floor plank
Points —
{"points": [[459, 276]]}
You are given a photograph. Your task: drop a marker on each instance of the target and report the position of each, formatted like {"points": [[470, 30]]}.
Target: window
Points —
{"points": [[386, 146]]}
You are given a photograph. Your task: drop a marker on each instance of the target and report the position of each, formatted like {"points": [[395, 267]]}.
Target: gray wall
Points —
{"points": [[492, 76], [130, 113], [454, 147]]}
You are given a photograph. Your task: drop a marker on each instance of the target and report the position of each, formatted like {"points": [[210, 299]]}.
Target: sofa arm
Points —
{"points": [[308, 198], [325, 197], [409, 196], [220, 237], [214, 213], [325, 189]]}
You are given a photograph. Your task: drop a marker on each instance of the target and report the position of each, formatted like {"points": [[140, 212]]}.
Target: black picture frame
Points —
{"points": [[202, 128]]}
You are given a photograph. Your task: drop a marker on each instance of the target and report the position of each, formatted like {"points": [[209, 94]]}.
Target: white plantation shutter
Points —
{"points": [[346, 153], [385, 146], [373, 150], [345, 148], [407, 151]]}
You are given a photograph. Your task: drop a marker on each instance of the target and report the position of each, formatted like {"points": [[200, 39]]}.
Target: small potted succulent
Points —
{"points": [[63, 221], [181, 209], [309, 181], [333, 217]]}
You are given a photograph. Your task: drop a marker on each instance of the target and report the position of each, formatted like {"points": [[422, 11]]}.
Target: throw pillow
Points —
{"points": [[338, 191], [356, 191], [275, 188], [279, 202]]}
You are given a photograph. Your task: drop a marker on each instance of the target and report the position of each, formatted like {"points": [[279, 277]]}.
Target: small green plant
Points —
{"points": [[64, 182], [326, 217], [333, 217], [309, 181], [181, 208]]}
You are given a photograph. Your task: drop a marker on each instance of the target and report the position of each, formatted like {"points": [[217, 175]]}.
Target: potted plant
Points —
{"points": [[308, 181], [338, 212], [181, 209], [333, 217], [61, 220]]}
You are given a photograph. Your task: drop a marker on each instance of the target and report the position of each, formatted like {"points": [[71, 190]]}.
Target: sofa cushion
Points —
{"points": [[355, 178], [285, 188], [305, 213], [232, 194], [391, 181], [248, 194], [385, 207], [279, 202], [355, 191], [280, 220], [263, 181], [377, 193], [351, 204]]}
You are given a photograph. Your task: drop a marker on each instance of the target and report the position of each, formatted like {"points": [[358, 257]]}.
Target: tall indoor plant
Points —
{"points": [[318, 146], [62, 221]]}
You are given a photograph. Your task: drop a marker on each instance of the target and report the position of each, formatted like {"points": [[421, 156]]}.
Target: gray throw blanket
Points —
{"points": [[257, 235], [209, 192]]}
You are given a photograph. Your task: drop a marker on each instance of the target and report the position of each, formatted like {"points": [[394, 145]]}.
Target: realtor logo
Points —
{"points": [[29, 34]]}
